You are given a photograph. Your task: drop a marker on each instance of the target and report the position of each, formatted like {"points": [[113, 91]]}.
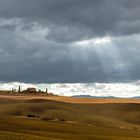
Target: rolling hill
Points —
{"points": [[49, 119]]}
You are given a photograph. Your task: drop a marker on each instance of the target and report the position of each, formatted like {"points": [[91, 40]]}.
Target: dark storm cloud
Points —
{"points": [[91, 17], [38, 40]]}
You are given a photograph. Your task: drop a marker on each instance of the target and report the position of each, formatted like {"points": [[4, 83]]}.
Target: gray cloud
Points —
{"points": [[39, 40], [93, 17]]}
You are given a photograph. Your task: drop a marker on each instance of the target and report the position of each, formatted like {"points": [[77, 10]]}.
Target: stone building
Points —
{"points": [[31, 90]]}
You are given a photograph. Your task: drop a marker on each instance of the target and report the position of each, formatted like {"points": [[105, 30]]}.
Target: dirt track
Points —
{"points": [[72, 100]]}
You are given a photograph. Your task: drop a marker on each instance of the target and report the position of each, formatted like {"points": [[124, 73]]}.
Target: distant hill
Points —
{"points": [[89, 96], [136, 97]]}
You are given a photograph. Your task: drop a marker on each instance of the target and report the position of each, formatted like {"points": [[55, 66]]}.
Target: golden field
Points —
{"points": [[66, 118]]}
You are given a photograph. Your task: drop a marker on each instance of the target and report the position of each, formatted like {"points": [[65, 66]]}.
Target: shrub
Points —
{"points": [[62, 120], [31, 116]]}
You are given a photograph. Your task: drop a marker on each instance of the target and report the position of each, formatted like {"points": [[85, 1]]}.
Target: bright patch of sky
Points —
{"points": [[93, 89], [93, 41]]}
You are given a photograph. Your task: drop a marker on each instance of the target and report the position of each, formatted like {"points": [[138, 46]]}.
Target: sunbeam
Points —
{"points": [[110, 57]]}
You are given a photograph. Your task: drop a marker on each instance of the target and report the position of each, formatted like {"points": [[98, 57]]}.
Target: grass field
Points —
{"points": [[45, 119]]}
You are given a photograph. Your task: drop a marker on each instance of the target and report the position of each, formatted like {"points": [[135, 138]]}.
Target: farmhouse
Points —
{"points": [[31, 89]]}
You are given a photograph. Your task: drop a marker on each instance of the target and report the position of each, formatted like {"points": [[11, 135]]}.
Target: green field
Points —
{"points": [[53, 120]]}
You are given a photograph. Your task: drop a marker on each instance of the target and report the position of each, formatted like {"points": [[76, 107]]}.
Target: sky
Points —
{"points": [[70, 41], [121, 90]]}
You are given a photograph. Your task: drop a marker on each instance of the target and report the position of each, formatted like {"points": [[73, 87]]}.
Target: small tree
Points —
{"points": [[19, 89], [46, 90]]}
